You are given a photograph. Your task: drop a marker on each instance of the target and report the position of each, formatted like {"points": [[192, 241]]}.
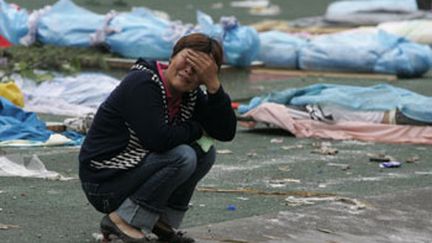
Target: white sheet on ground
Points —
{"points": [[67, 95], [419, 31]]}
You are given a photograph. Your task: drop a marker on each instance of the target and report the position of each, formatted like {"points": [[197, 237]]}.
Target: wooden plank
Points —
{"points": [[285, 26], [269, 193], [120, 63], [325, 74], [124, 63]]}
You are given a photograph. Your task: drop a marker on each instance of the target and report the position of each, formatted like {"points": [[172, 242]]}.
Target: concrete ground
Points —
{"points": [[266, 186]]}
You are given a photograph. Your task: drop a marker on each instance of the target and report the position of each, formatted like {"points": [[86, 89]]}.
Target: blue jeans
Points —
{"points": [[162, 185]]}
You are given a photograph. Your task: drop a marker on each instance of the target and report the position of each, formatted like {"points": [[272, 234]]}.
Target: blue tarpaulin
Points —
{"points": [[381, 97], [67, 24], [13, 22], [16, 123], [366, 52]]}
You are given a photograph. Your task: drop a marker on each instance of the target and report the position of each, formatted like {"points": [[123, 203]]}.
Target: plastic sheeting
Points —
{"points": [[241, 43], [381, 97], [16, 123], [12, 92], [366, 52], [27, 167], [68, 95], [372, 12], [67, 24], [279, 49], [419, 31], [142, 34], [13, 22], [349, 7]]}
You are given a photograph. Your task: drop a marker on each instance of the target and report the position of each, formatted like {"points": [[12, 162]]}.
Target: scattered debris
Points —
{"points": [[8, 226], [390, 164], [412, 159], [380, 157], [282, 182], [327, 231], [243, 198], [268, 193], [3, 62], [292, 147], [250, 4], [270, 10], [231, 207], [423, 172], [354, 204], [342, 166], [252, 154], [224, 151], [284, 168], [324, 148], [325, 151], [217, 5], [277, 140]]}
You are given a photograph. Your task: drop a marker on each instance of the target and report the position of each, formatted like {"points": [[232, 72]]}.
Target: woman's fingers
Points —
{"points": [[201, 61]]}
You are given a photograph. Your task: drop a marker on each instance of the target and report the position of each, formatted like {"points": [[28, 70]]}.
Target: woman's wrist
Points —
{"points": [[213, 87]]}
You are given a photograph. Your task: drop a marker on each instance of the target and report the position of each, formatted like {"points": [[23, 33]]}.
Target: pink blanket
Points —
{"points": [[277, 115]]}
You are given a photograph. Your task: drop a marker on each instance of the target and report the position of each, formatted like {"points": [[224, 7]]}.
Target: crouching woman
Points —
{"points": [[144, 153]]}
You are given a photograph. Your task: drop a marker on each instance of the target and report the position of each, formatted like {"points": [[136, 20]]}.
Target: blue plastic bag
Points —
{"points": [[13, 22], [241, 43], [366, 52], [407, 60], [279, 49], [141, 34], [67, 24]]}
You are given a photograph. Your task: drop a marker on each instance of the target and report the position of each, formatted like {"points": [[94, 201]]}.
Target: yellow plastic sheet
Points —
{"points": [[11, 92]]}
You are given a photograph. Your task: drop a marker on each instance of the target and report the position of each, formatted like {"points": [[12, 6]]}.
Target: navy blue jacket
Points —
{"points": [[133, 121]]}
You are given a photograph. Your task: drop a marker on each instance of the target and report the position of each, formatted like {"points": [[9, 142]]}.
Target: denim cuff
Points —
{"points": [[173, 217], [137, 216]]}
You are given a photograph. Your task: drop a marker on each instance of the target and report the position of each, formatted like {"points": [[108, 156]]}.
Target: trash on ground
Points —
{"points": [[231, 207], [423, 172], [284, 168], [342, 166], [327, 231], [292, 147], [282, 182], [277, 140], [354, 204], [324, 150], [8, 226], [267, 193], [27, 167], [224, 151], [412, 159], [270, 10], [379, 157], [390, 164]]}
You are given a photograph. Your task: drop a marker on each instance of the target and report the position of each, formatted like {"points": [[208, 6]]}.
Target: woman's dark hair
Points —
{"points": [[200, 42]]}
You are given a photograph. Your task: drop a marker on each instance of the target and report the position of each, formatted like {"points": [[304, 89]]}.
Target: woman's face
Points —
{"points": [[180, 75]]}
